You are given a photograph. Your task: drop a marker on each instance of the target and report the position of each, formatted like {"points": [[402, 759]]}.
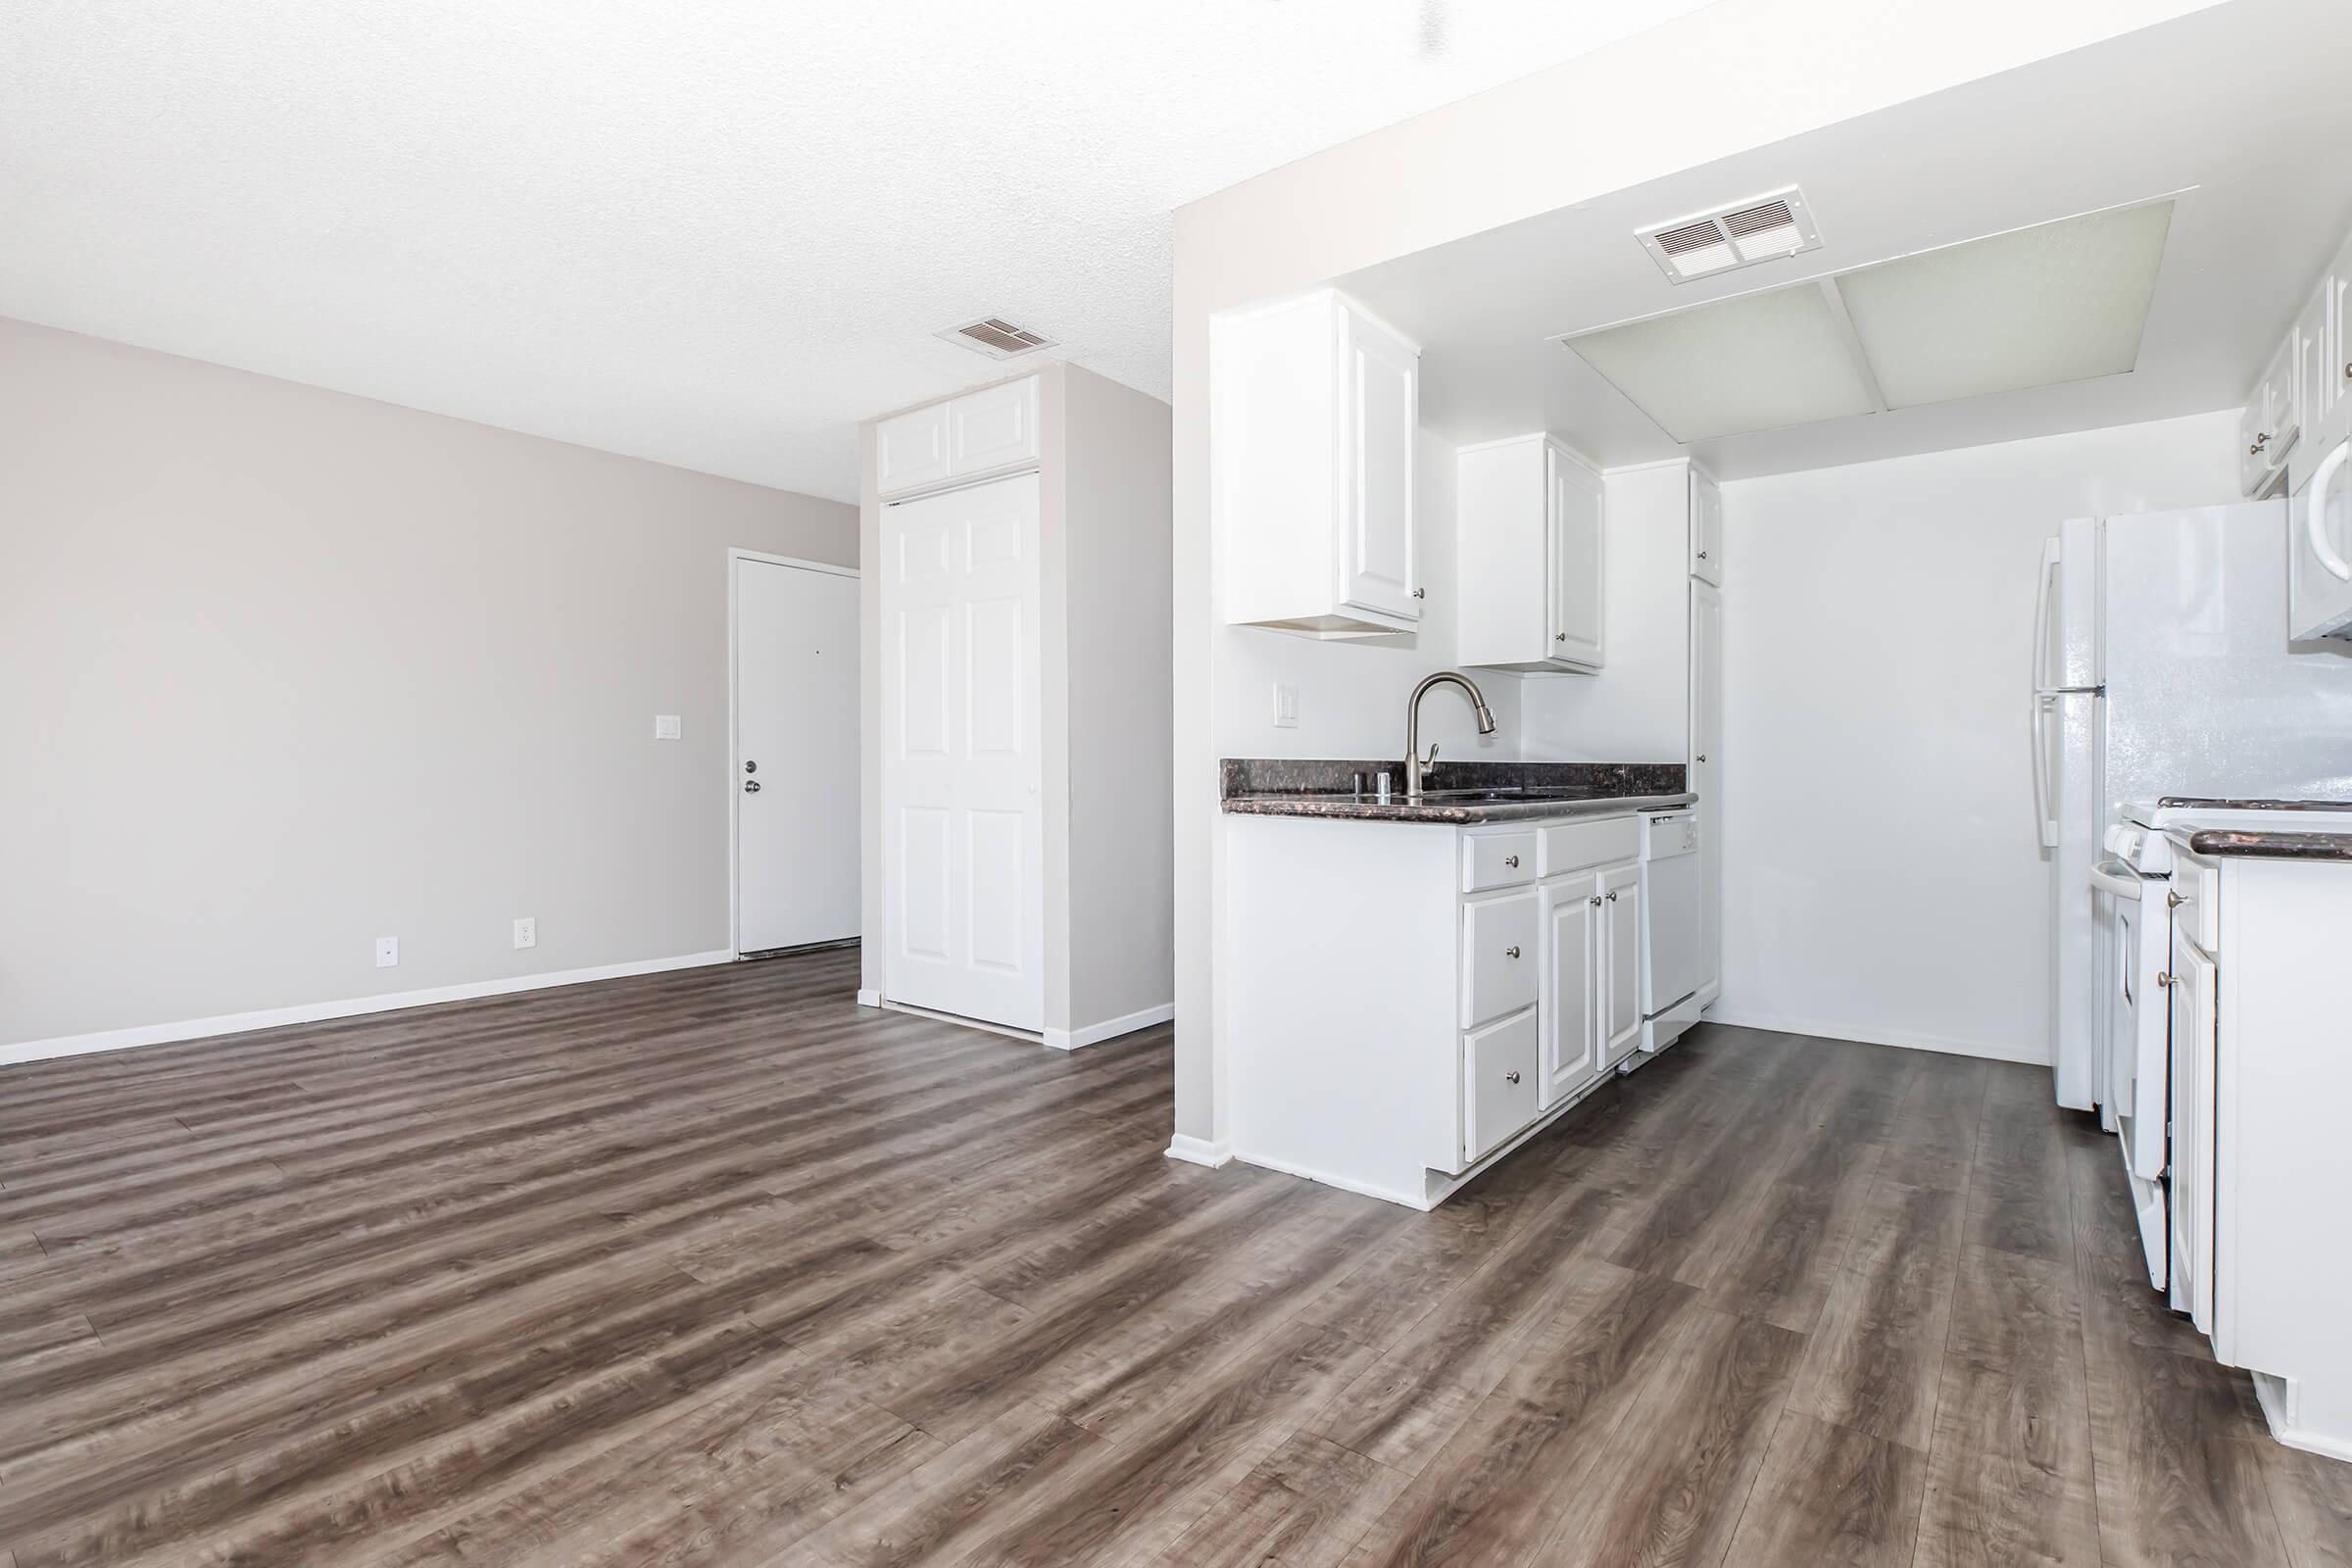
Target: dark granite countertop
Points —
{"points": [[1462, 794], [2273, 846], [2250, 804], [1441, 807]]}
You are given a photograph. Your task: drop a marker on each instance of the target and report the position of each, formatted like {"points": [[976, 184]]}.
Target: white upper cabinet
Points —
{"points": [[1706, 529], [1314, 407], [988, 432], [912, 449], [2273, 416], [1531, 549], [993, 428]]}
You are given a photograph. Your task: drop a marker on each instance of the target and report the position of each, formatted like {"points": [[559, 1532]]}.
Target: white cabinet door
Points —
{"points": [[1381, 415], [1706, 772], [1706, 528], [2271, 421], [1571, 985], [912, 449], [1575, 546], [1620, 945], [963, 862], [2193, 1024], [993, 428]]}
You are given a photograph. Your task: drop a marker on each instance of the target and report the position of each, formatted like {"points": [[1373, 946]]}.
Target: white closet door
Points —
{"points": [[962, 823], [796, 745]]}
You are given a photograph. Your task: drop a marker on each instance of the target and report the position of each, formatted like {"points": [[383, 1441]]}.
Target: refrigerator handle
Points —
{"points": [[2045, 817], [2041, 618]]}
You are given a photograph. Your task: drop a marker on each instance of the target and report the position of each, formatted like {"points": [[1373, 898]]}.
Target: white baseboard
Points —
{"points": [[1199, 1150], [1987, 1050], [1110, 1028], [869, 998], [1345, 1184], [238, 1023]]}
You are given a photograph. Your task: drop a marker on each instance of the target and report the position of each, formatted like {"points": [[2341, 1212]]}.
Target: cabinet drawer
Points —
{"points": [[2197, 913], [1500, 1088], [1574, 846], [1497, 860], [1500, 958]]}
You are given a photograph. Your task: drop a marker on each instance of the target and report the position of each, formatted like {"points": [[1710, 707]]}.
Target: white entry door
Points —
{"points": [[962, 824], [795, 756]]}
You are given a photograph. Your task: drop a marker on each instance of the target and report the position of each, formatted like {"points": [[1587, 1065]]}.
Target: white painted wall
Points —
{"points": [[1351, 693], [1637, 708], [283, 671], [1743, 72], [1882, 877]]}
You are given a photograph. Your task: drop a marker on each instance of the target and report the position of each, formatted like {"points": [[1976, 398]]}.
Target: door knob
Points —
{"points": [[750, 786]]}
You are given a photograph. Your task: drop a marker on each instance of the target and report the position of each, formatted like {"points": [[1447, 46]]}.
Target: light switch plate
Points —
{"points": [[666, 727], [1286, 707], [387, 952]]}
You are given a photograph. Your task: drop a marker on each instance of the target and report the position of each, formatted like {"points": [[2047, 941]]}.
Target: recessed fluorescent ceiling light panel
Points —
{"points": [[1754, 363], [2059, 302]]}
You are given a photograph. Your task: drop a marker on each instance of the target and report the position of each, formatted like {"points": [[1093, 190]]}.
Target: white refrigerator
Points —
{"points": [[2162, 666]]}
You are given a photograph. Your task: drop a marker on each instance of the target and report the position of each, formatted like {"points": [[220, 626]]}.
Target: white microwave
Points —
{"points": [[2319, 551]]}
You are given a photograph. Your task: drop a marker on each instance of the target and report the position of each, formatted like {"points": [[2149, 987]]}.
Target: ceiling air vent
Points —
{"points": [[1753, 232], [997, 338]]}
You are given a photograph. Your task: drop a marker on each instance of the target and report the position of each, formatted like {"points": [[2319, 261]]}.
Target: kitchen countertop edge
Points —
{"points": [[2273, 846], [1453, 813]]}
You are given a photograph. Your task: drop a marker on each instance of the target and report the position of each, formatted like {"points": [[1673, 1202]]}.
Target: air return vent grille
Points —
{"points": [[997, 338], [1760, 231]]}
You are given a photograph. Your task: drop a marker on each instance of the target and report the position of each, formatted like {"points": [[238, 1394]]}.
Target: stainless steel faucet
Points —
{"points": [[1412, 724]]}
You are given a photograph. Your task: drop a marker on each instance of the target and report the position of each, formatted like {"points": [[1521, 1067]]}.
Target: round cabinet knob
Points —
{"points": [[1510, 953], [2260, 441], [1702, 555], [1559, 636], [1512, 861], [1612, 897], [1510, 1077], [2164, 980], [2174, 901], [750, 766], [1702, 757], [750, 786], [1597, 901], [1420, 592]]}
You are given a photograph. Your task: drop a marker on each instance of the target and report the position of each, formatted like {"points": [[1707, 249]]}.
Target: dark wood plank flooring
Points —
{"points": [[716, 1267]]}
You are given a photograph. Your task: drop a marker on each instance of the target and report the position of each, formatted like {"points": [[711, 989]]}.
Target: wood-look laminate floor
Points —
{"points": [[716, 1267]]}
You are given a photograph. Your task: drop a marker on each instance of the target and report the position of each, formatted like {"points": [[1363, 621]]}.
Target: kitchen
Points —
{"points": [[1765, 567]]}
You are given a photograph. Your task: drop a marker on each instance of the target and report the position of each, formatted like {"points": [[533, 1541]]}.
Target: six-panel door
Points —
{"points": [[1572, 985], [962, 690]]}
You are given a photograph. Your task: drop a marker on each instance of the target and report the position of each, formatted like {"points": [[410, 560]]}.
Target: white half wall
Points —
{"points": [[1883, 876], [283, 670]]}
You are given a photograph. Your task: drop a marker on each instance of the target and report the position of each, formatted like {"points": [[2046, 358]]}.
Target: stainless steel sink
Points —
{"points": [[1505, 795]]}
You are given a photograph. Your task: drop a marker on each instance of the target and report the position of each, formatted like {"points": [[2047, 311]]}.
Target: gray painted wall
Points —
{"points": [[283, 671]]}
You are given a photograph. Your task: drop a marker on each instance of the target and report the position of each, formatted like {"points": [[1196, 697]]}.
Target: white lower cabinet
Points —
{"points": [[2258, 1163], [1581, 978], [1410, 999]]}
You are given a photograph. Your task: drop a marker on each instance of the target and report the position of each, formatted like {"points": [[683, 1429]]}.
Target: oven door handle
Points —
{"points": [[2112, 876]]}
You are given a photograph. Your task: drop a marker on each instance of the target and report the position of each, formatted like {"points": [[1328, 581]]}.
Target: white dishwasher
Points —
{"points": [[1670, 895]]}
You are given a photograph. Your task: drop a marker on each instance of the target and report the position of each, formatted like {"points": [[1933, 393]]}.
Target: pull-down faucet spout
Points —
{"points": [[1412, 724]]}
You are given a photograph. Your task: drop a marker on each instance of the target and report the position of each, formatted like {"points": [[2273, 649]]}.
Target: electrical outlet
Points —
{"points": [[387, 952], [1286, 707], [526, 932]]}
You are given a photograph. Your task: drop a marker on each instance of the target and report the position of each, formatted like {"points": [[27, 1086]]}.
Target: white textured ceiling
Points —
{"points": [[714, 234]]}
